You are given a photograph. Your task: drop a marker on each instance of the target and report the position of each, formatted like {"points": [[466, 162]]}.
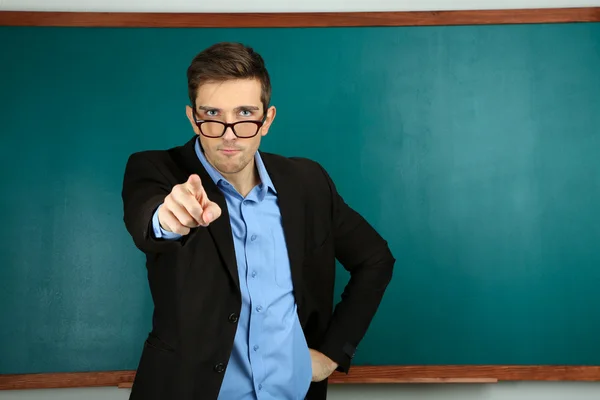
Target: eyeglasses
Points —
{"points": [[216, 129]]}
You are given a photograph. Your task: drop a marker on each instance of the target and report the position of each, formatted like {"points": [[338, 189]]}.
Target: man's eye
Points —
{"points": [[246, 113], [211, 113]]}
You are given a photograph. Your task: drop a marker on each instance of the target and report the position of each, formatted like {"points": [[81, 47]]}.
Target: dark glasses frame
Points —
{"points": [[226, 125]]}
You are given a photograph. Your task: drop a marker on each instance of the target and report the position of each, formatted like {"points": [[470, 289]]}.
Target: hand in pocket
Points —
{"points": [[322, 366]]}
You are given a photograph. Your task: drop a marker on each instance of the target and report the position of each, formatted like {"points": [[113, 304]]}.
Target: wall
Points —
{"points": [[500, 391]]}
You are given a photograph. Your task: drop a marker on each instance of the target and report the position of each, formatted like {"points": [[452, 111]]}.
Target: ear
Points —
{"points": [[268, 121], [190, 114]]}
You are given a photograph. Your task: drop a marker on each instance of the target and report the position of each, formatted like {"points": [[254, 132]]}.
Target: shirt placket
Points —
{"points": [[255, 289]]}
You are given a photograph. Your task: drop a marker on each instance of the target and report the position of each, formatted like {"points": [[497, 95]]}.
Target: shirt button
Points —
{"points": [[258, 309], [256, 347], [254, 274], [260, 386], [233, 318], [253, 238]]}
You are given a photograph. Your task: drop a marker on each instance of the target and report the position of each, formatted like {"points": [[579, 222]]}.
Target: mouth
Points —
{"points": [[229, 151]]}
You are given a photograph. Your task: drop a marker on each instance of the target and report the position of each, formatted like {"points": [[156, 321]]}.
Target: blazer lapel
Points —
{"points": [[220, 229], [292, 208]]}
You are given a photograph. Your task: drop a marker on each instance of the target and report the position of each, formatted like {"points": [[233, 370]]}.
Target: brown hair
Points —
{"points": [[226, 61]]}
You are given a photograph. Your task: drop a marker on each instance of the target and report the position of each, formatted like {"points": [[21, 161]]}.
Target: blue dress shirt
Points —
{"points": [[270, 358]]}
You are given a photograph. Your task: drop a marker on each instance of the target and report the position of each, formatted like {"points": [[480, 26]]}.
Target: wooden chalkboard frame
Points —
{"points": [[290, 20], [358, 374]]}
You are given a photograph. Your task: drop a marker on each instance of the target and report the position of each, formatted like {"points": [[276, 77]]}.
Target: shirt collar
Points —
{"points": [[216, 176]]}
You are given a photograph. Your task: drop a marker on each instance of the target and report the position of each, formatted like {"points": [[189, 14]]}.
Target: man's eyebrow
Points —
{"points": [[207, 108], [238, 108]]}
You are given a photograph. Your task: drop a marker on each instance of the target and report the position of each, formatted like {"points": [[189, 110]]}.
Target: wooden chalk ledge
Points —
{"points": [[358, 374]]}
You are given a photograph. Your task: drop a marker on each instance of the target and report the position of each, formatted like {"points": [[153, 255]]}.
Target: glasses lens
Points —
{"points": [[246, 129], [213, 129]]}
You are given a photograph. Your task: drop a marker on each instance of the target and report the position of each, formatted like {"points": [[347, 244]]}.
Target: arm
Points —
{"points": [[366, 255], [144, 190], [150, 202]]}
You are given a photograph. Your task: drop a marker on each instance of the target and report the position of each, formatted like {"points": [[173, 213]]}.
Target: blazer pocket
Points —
{"points": [[320, 243], [321, 252], [156, 374], [154, 342]]}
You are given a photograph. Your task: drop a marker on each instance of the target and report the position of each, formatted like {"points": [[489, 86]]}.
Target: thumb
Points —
{"points": [[212, 211], [194, 185]]}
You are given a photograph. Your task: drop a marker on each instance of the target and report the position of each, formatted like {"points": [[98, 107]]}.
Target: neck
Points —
{"points": [[244, 180]]}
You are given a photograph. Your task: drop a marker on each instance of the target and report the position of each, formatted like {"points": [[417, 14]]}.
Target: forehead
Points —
{"points": [[229, 94]]}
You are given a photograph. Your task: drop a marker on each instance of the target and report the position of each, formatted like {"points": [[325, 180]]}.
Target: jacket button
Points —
{"points": [[233, 318], [220, 368]]}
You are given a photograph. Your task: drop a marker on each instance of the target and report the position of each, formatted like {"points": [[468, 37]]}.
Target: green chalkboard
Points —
{"points": [[475, 150]]}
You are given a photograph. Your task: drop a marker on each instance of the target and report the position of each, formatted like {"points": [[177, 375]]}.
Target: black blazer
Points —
{"points": [[194, 281]]}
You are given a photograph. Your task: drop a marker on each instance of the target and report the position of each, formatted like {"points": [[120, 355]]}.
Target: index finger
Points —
{"points": [[194, 185]]}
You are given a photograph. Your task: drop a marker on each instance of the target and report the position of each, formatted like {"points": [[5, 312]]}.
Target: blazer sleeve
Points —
{"points": [[144, 190], [366, 255]]}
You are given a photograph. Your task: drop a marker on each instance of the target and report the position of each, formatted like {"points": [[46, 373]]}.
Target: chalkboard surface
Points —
{"points": [[474, 150]]}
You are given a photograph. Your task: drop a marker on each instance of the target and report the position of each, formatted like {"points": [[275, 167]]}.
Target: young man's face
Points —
{"points": [[230, 101]]}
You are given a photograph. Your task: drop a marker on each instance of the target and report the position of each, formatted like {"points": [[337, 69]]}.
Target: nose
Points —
{"points": [[229, 135]]}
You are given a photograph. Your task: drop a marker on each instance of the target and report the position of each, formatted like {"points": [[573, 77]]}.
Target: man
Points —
{"points": [[241, 248]]}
